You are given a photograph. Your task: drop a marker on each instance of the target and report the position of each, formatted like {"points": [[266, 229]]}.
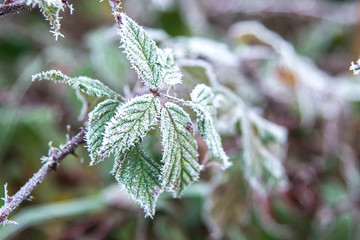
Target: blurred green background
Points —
{"points": [[81, 202]]}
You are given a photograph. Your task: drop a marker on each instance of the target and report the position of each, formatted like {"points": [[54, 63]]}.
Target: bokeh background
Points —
{"points": [[285, 60]]}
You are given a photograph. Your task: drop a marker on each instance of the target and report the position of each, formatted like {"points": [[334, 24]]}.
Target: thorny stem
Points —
{"points": [[54, 158], [13, 6]]}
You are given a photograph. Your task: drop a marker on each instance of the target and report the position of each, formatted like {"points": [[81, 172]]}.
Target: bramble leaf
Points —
{"points": [[98, 118], [51, 9], [130, 124], [263, 143], [142, 52], [86, 85], [180, 154], [196, 72], [202, 98], [172, 73], [139, 174]]}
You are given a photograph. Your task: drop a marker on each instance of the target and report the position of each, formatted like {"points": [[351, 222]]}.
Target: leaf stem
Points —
{"points": [[176, 100]]}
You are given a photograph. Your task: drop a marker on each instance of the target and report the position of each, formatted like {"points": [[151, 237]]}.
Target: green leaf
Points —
{"points": [[180, 155], [196, 72], [262, 156], [51, 9], [139, 174], [86, 85], [202, 96], [98, 118], [142, 52], [130, 124], [172, 73]]}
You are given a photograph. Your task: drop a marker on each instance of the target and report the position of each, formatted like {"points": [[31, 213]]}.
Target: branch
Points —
{"points": [[54, 158], [13, 6]]}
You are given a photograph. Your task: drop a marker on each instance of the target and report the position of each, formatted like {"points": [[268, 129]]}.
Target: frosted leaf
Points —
{"points": [[180, 155], [98, 118], [172, 73], [202, 96], [261, 157], [204, 48], [197, 71], [130, 124], [139, 174], [51, 9], [86, 85], [142, 52]]}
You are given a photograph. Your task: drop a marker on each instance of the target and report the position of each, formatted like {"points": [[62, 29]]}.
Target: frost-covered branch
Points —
{"points": [[54, 158], [13, 6], [117, 128]]}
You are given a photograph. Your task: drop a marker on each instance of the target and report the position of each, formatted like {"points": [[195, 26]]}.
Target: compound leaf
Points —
{"points": [[180, 155], [202, 98], [139, 174], [130, 124], [98, 118]]}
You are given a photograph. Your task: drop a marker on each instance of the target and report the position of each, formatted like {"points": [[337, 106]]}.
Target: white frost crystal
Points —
{"points": [[180, 156], [355, 67]]}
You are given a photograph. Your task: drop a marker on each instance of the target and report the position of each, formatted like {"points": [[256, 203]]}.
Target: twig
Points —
{"points": [[54, 158], [13, 7]]}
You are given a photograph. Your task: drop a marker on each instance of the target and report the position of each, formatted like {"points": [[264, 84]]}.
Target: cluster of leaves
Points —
{"points": [[117, 127]]}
